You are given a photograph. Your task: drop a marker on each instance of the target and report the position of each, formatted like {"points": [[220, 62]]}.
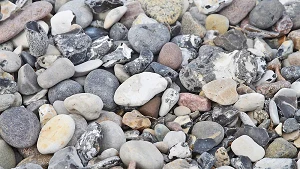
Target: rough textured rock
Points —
{"points": [[280, 148], [192, 26], [231, 40], [65, 158], [194, 102]]}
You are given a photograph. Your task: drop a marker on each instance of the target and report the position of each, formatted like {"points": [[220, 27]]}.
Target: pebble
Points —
{"points": [[191, 26], [250, 102], [99, 48], [7, 156], [103, 6], [206, 160], [291, 136], [292, 60], [224, 115], [269, 77], [145, 154], [169, 99], [295, 37], [136, 120], [180, 150], [46, 112], [148, 36], [286, 101], [7, 46], [151, 108], [295, 86], [6, 101], [231, 40], [290, 125], [86, 104], [80, 128], [194, 102], [182, 110], [60, 107], [162, 11], [134, 8], [56, 134], [208, 129], [114, 16], [222, 91], [292, 9], [142, 18], [273, 163], [160, 131], [110, 116], [19, 127], [118, 32], [246, 146], [283, 25], [47, 80], [65, 158], [170, 55], [7, 84], [290, 72], [209, 6], [217, 22], [61, 22], [222, 158], [259, 135], [95, 33], [139, 89], [162, 70], [121, 55], [177, 164], [108, 153], [139, 64], [241, 162], [103, 84], [280, 148], [10, 62], [174, 137]]}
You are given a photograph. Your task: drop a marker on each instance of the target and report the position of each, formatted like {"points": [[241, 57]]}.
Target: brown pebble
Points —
{"points": [[283, 25], [133, 10], [136, 120], [151, 108], [132, 165], [295, 37], [174, 126], [170, 55], [269, 89], [29, 151], [294, 59]]}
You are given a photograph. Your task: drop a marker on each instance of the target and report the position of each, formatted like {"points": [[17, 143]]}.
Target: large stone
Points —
{"points": [[10, 61], [65, 158], [274, 163], [280, 148], [27, 80], [7, 156], [208, 129]]}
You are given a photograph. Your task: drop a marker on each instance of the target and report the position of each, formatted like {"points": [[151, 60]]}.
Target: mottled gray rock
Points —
{"points": [[203, 145], [64, 89], [139, 64], [206, 160], [291, 72], [241, 162], [187, 41], [286, 101], [148, 36], [280, 148], [7, 155], [7, 46], [290, 125], [99, 48], [99, 6], [224, 115], [121, 55], [207, 129], [6, 100], [231, 40], [118, 32], [162, 70], [80, 128], [274, 163], [95, 33], [19, 127], [27, 80], [65, 158], [9, 61], [266, 14], [292, 8], [103, 84]]}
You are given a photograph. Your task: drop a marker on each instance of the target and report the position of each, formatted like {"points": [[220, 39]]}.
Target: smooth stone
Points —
{"points": [[108, 153], [65, 158], [208, 129], [139, 89], [151, 108], [203, 145], [291, 136], [194, 102], [7, 84], [111, 131], [136, 120], [35, 11], [237, 10], [273, 112], [266, 14], [295, 86], [209, 6], [85, 104], [222, 91], [47, 80], [60, 107], [139, 64], [246, 119], [292, 9], [246, 146], [292, 60], [27, 80], [250, 102], [26, 57], [10, 62], [280, 148], [80, 128], [222, 158], [170, 55], [56, 134], [185, 122], [24, 127], [34, 106], [99, 48], [6, 101], [190, 25], [286, 101], [142, 18], [285, 49], [162, 70], [121, 73], [134, 8], [86, 67], [259, 135], [290, 125], [114, 16], [160, 131], [177, 164], [290, 73], [217, 22], [8, 9], [148, 36], [83, 14], [39, 159], [181, 111], [29, 165], [103, 84], [180, 150], [61, 22], [231, 40], [95, 33], [27, 100], [118, 31], [283, 25], [274, 163], [169, 99], [174, 137], [46, 112], [278, 129], [145, 154], [7, 156], [162, 11]]}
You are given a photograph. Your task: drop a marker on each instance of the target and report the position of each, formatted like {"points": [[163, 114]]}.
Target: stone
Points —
{"points": [[19, 127], [177, 164], [12, 26], [187, 41], [246, 146], [266, 14], [273, 112], [61, 22], [194, 102], [269, 77], [162, 70], [121, 55], [47, 80], [121, 73], [83, 14], [259, 135], [85, 104], [285, 49], [145, 154], [217, 22], [10, 62], [224, 115], [99, 48], [295, 87], [208, 129], [286, 101], [231, 40], [86, 67], [56, 134], [80, 128], [271, 163], [40, 159], [162, 11], [95, 33], [292, 9], [7, 84], [283, 25], [108, 153], [60, 107], [27, 80], [139, 64], [114, 16], [278, 129], [136, 120], [64, 89], [103, 5], [142, 18], [242, 162], [8, 8], [139, 89], [46, 112], [246, 119], [174, 137], [291, 136], [111, 131], [208, 6], [148, 36], [6, 101], [181, 111], [206, 160], [180, 150], [290, 72], [7, 46], [7, 157], [134, 8], [280, 148], [222, 158], [151, 108], [65, 158], [110, 162], [290, 125], [34, 106], [222, 91], [237, 10], [88, 144], [160, 131], [29, 165], [293, 59], [27, 100], [103, 84], [250, 102], [170, 55], [169, 99], [192, 26], [118, 31]]}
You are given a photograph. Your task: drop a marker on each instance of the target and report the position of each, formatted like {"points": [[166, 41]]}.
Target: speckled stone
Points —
{"points": [[217, 22], [231, 40], [194, 102], [134, 8], [10, 61], [208, 129], [139, 64], [170, 55], [280, 148], [268, 90], [162, 11], [283, 25], [222, 158], [292, 9], [192, 26]]}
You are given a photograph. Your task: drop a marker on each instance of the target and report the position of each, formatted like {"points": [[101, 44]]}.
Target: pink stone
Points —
{"points": [[283, 25], [194, 102], [170, 55]]}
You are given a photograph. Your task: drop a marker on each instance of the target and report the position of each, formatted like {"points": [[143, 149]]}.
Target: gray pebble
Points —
{"points": [[121, 55], [65, 158], [231, 40], [290, 125], [8, 46], [9, 61], [206, 160], [139, 64], [34, 106], [291, 72], [118, 32], [6, 100], [7, 155], [60, 107], [27, 80]]}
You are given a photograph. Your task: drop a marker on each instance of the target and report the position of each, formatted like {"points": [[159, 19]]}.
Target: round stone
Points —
{"points": [[250, 102], [217, 22], [170, 55], [144, 153], [19, 127], [280, 148], [208, 129], [118, 32], [7, 155], [174, 137], [56, 134], [10, 62]]}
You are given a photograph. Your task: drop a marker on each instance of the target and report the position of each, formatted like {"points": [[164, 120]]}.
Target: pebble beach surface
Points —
{"points": [[149, 84]]}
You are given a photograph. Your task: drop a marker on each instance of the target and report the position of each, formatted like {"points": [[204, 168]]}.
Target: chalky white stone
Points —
{"points": [[180, 150], [174, 137], [296, 86], [86, 67], [211, 6], [114, 16], [61, 22], [246, 146], [268, 77], [273, 112], [56, 134], [139, 89], [250, 102], [168, 100], [275, 163], [46, 112]]}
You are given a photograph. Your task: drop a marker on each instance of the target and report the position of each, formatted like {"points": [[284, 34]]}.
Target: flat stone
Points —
{"points": [[217, 22], [269, 90], [19, 127], [114, 16], [280, 148], [203, 145], [194, 102], [191, 26], [10, 61], [160, 131], [292, 59], [250, 102], [290, 125], [283, 25], [61, 22], [86, 67], [187, 41], [95, 33], [180, 150], [29, 165], [7, 157], [136, 120], [208, 129], [6, 101], [181, 111], [99, 48], [231, 40], [27, 80], [65, 158], [273, 163], [291, 136], [274, 112], [121, 55]]}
